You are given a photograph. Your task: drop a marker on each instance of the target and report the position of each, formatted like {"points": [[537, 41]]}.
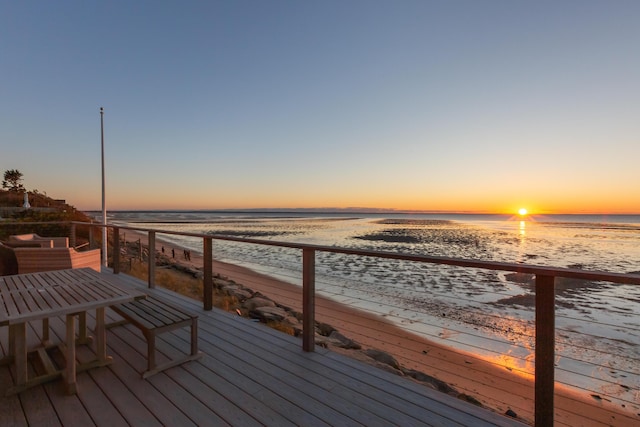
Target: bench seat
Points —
{"points": [[154, 316]]}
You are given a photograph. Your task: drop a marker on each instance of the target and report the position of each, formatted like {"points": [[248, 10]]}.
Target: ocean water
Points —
{"points": [[487, 313]]}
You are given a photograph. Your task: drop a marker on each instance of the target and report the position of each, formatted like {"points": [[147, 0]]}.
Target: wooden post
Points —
{"points": [[19, 334], [152, 259], [545, 350], [308, 299], [116, 250], [207, 251], [101, 335], [70, 354]]}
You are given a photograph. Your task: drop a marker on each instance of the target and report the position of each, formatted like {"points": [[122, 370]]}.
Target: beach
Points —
{"points": [[496, 387]]}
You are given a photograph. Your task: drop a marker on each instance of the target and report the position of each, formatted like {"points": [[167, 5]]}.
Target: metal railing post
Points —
{"points": [[308, 299], [207, 284], [151, 279], [545, 350], [116, 248]]}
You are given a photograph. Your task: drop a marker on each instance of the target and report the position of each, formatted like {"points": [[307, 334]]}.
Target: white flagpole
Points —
{"points": [[104, 206]]}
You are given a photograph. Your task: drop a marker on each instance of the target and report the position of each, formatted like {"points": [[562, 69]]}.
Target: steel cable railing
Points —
{"points": [[576, 359], [399, 306], [438, 367], [329, 288]]}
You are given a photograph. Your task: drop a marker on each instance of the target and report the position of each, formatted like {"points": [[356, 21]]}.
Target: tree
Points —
{"points": [[13, 180]]}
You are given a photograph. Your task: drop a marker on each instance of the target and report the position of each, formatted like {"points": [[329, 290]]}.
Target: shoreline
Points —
{"points": [[496, 387]]}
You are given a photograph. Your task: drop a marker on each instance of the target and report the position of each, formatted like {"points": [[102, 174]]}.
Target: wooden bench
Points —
{"points": [[154, 316]]}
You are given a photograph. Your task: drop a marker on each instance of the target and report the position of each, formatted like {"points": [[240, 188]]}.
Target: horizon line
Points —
{"points": [[354, 210]]}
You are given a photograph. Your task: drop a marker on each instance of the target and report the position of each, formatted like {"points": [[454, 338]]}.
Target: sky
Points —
{"points": [[456, 106]]}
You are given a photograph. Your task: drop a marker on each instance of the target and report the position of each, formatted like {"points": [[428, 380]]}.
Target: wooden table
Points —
{"points": [[40, 296]]}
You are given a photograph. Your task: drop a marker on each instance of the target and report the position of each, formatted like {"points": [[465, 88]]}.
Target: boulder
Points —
{"points": [[255, 302], [240, 294], [221, 283], [343, 341], [268, 314], [382, 357], [324, 329], [428, 379]]}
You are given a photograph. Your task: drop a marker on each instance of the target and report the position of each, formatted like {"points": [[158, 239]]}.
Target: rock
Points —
{"points": [[337, 340], [268, 314], [343, 341], [221, 283], [321, 341], [253, 303], [470, 399], [324, 329], [228, 287], [294, 323], [428, 379], [240, 294], [382, 357]]}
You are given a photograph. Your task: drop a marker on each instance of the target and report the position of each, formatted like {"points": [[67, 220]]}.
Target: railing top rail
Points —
{"points": [[573, 273]]}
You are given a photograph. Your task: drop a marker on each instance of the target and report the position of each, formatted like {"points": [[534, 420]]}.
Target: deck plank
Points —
{"points": [[317, 373], [11, 412], [369, 407], [312, 382], [250, 400], [38, 409], [162, 407], [195, 409], [249, 375], [96, 405], [213, 399]]}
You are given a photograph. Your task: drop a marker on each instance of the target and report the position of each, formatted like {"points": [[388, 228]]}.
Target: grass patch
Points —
{"points": [[182, 283]]}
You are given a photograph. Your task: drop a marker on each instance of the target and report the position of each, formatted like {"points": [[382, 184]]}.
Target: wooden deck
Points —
{"points": [[249, 375]]}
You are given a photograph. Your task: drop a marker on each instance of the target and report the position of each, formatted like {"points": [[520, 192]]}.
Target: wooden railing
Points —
{"points": [[544, 293]]}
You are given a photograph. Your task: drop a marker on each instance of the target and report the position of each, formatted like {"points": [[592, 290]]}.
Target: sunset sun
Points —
{"points": [[522, 211]]}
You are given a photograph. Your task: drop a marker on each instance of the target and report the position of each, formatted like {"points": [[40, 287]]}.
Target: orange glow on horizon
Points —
{"points": [[472, 203], [259, 203]]}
